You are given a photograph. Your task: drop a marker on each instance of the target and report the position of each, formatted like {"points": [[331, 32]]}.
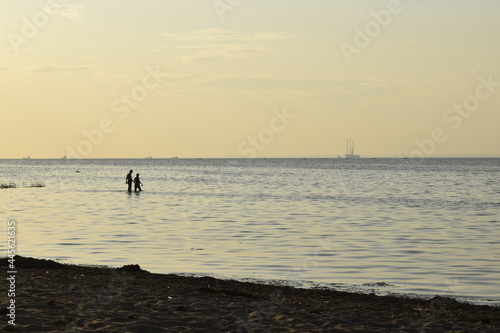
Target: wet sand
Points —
{"points": [[52, 297]]}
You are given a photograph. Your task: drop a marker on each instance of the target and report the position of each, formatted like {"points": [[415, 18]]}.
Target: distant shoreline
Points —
{"points": [[254, 158]]}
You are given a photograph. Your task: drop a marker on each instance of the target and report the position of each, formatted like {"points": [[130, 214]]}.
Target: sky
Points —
{"points": [[241, 78]]}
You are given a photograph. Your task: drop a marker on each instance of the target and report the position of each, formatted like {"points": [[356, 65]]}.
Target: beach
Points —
{"points": [[55, 297]]}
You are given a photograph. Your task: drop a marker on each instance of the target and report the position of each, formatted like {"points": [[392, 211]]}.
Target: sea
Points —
{"points": [[415, 227]]}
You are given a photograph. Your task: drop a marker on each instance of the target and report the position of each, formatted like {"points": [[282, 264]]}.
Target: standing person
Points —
{"points": [[138, 183], [129, 180]]}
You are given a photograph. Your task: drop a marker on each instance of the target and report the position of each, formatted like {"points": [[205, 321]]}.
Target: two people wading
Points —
{"points": [[136, 181]]}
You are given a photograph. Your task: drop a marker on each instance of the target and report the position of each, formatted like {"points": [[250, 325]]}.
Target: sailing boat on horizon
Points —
{"points": [[350, 149]]}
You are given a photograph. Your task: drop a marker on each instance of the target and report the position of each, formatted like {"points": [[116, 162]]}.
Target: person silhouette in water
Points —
{"points": [[138, 183], [129, 180]]}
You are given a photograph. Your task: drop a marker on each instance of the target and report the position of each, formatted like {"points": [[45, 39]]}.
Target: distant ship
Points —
{"points": [[26, 158], [149, 157], [350, 149]]}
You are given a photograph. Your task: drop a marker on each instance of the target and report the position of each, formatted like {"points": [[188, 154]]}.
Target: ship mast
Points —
{"points": [[349, 149]]}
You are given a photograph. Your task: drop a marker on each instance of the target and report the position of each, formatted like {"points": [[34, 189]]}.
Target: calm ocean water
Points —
{"points": [[423, 227]]}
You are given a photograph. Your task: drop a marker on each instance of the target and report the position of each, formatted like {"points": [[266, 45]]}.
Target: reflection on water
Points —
{"points": [[429, 227]]}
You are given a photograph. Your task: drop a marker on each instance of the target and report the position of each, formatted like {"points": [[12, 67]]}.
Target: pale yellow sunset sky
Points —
{"points": [[246, 78]]}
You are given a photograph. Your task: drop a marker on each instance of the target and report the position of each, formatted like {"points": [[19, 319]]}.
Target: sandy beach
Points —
{"points": [[53, 297]]}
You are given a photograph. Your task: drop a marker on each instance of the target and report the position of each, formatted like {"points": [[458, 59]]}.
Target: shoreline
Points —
{"points": [[376, 288], [62, 297]]}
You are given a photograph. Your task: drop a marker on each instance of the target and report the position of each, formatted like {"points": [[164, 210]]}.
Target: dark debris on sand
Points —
{"points": [[57, 298], [27, 262]]}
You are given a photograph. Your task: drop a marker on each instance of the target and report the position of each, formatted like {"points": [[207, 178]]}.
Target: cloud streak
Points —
{"points": [[223, 52], [307, 84], [224, 45], [69, 11], [50, 69], [226, 35]]}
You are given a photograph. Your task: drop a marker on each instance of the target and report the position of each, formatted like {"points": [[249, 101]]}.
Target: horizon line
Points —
{"points": [[264, 157]]}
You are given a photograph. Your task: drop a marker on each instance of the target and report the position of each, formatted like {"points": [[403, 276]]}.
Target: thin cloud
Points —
{"points": [[50, 69], [3, 69], [223, 44], [224, 52], [70, 11], [343, 86], [226, 35]]}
